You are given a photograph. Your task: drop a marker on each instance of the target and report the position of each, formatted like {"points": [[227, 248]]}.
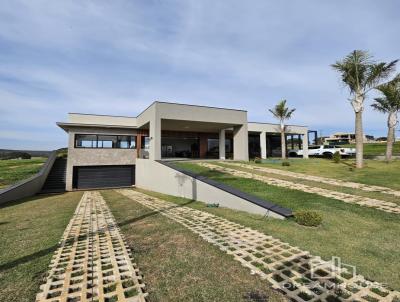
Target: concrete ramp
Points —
{"points": [[164, 177]]}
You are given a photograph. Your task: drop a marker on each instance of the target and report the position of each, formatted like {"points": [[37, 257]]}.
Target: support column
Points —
{"points": [[203, 145], [240, 143], [138, 144], [222, 144], [155, 139], [305, 144], [70, 161], [263, 144]]}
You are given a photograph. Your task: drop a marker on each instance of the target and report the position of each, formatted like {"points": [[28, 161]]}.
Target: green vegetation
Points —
{"points": [[375, 149], [348, 231], [374, 172], [178, 265], [308, 218], [336, 157], [359, 192], [14, 170], [361, 73], [30, 230]]}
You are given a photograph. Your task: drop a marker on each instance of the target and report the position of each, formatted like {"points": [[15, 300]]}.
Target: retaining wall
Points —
{"points": [[164, 178]]}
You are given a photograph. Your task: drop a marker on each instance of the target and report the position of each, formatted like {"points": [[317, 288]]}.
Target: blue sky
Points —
{"points": [[116, 57]]}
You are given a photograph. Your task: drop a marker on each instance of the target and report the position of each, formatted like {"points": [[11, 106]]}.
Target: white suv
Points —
{"points": [[324, 151]]}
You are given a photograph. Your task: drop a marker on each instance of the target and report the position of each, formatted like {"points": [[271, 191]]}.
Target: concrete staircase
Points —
{"points": [[55, 181]]}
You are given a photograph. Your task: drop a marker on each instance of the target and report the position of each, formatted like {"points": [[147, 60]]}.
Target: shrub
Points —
{"points": [[336, 157], [308, 218], [257, 160], [286, 163], [24, 155]]}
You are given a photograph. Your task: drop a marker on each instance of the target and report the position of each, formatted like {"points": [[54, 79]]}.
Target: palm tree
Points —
{"points": [[361, 74], [282, 113], [389, 103]]}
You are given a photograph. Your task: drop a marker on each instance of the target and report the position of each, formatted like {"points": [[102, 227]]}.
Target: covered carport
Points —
{"points": [[267, 137], [197, 123]]}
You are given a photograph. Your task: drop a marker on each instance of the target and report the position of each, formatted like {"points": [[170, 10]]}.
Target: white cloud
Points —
{"points": [[117, 57]]}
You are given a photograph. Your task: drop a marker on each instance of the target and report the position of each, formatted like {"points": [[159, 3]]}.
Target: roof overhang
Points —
{"points": [[67, 126]]}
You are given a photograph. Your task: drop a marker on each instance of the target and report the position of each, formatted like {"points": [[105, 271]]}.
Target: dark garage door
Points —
{"points": [[103, 176]]}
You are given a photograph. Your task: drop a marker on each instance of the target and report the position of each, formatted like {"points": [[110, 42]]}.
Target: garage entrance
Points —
{"points": [[90, 177]]}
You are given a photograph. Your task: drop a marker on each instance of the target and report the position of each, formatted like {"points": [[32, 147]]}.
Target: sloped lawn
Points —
{"points": [[365, 237], [177, 264], [375, 172], [14, 170]]}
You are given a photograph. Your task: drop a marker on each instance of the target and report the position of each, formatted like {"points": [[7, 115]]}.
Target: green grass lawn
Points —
{"points": [[30, 231], [365, 237], [14, 170], [359, 192], [375, 172], [177, 264], [374, 149]]}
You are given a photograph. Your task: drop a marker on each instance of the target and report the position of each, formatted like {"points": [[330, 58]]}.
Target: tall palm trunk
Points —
{"points": [[283, 141], [359, 140], [392, 121]]}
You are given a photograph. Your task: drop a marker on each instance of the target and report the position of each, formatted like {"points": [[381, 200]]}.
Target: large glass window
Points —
{"points": [[145, 142], [126, 142], [105, 141], [85, 141]]}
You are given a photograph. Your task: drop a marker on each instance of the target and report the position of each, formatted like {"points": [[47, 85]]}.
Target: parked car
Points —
{"points": [[324, 151]]}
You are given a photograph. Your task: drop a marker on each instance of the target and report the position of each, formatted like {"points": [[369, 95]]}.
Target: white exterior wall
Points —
{"points": [[93, 119], [154, 176]]}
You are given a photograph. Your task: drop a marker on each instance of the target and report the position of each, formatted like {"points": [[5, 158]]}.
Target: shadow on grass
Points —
{"points": [[152, 213], [52, 249], [28, 258]]}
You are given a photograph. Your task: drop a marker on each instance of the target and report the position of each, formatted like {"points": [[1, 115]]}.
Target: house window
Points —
{"points": [[145, 142], [105, 141], [85, 141], [126, 142]]}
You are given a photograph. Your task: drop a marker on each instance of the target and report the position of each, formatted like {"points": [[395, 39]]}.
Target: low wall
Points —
{"points": [[163, 178], [30, 186]]}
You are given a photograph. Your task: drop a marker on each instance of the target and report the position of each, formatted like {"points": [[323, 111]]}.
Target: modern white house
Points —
{"points": [[341, 138], [103, 151]]}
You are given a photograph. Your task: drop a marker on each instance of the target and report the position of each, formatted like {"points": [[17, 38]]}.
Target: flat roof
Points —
{"points": [[126, 116], [275, 124], [183, 104], [67, 125]]}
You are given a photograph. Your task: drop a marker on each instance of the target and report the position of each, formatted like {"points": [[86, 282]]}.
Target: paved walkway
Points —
{"points": [[93, 262], [386, 206], [329, 181], [294, 272]]}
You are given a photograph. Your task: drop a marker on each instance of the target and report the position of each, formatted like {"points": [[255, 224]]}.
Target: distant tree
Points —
{"points": [[389, 103], [282, 113], [15, 155], [361, 74]]}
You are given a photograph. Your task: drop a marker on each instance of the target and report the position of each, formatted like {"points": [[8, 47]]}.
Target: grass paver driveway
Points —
{"points": [[382, 205], [179, 266], [365, 237], [375, 173], [330, 181], [301, 276], [92, 262]]}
